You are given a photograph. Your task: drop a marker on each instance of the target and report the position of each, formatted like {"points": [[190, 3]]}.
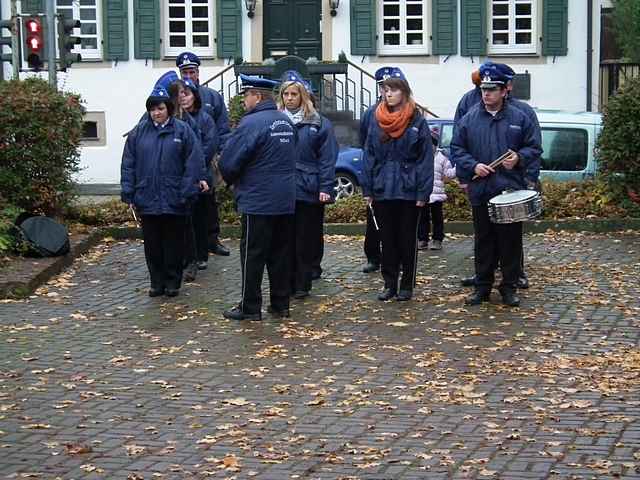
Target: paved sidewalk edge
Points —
{"points": [[13, 289]]}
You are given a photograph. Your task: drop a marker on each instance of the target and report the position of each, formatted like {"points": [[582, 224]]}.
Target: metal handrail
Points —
{"points": [[220, 74]]}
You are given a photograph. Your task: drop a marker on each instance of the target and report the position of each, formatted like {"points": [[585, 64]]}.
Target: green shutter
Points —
{"points": [[473, 37], [444, 27], [147, 28], [363, 27], [229, 25], [555, 25], [32, 6], [116, 29]]}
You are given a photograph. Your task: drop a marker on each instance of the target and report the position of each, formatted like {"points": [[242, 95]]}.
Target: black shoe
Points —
{"points": [[172, 292], [237, 314], [468, 281], [202, 265], [300, 294], [316, 274], [156, 292], [404, 295], [190, 272], [386, 294], [371, 267], [522, 283], [477, 297], [510, 298], [217, 248], [277, 312]]}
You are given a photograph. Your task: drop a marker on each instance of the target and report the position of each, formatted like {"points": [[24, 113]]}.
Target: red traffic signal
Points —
{"points": [[34, 40]]}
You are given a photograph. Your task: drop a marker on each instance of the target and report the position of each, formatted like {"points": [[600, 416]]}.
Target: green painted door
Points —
{"points": [[292, 27]]}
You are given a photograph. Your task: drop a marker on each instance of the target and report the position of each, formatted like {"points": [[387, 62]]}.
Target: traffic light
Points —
{"points": [[34, 42], [9, 25], [66, 42]]}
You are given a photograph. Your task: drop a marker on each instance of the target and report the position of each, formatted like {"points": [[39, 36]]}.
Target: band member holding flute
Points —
{"points": [[487, 132], [398, 179]]}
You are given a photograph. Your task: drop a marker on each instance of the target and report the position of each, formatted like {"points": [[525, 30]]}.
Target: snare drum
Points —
{"points": [[516, 206]]}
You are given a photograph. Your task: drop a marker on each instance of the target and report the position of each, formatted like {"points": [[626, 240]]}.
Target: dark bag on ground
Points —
{"points": [[44, 236]]}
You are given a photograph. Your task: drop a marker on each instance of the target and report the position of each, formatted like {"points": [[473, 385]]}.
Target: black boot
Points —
{"points": [[386, 294], [404, 295], [468, 281], [236, 313], [523, 282], [278, 313], [190, 272], [477, 297], [218, 248], [510, 298], [371, 267]]}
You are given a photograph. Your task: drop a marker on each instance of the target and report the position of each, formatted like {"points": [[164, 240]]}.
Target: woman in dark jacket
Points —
{"points": [[160, 171], [315, 174], [188, 107], [398, 179]]}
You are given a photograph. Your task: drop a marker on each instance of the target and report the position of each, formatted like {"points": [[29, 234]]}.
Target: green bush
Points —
{"points": [[40, 130], [112, 212], [8, 241], [562, 200], [236, 110], [619, 143]]}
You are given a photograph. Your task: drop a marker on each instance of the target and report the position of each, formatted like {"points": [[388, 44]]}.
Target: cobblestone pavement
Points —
{"points": [[99, 381]]}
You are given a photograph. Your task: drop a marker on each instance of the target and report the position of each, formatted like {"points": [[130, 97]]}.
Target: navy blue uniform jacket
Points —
{"points": [[399, 169], [161, 167], [208, 134], [474, 97], [259, 159], [213, 104], [318, 153], [481, 138]]}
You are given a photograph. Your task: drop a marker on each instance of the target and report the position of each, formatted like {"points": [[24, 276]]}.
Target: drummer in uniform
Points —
{"points": [[488, 131]]}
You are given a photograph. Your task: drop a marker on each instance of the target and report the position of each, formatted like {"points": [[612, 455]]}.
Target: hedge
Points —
{"points": [[589, 199]]}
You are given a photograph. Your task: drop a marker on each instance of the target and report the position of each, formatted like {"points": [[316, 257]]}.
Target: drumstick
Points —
{"points": [[497, 162]]}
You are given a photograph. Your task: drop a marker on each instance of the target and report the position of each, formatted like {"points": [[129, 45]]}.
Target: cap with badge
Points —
{"points": [[167, 79], [158, 95], [294, 76], [187, 60], [257, 83], [386, 73], [492, 77]]}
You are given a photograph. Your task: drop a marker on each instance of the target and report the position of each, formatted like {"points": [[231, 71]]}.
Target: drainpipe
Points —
{"points": [[589, 53]]}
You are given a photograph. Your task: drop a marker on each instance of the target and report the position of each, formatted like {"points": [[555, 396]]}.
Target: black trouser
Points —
{"points": [[318, 251], [372, 239], [266, 240], [493, 243], [164, 249], [213, 224], [431, 215], [196, 231], [398, 221], [308, 228]]}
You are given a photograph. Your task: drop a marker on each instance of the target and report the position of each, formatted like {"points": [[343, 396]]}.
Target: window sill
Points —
{"points": [[88, 63], [423, 58], [170, 62]]}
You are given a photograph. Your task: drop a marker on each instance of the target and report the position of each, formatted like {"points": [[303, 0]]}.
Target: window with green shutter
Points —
{"points": [[147, 29], [473, 35], [116, 29], [513, 26], [363, 27], [555, 23], [444, 27], [229, 25]]}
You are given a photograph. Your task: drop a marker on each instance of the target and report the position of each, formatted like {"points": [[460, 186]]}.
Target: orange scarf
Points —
{"points": [[395, 123]]}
